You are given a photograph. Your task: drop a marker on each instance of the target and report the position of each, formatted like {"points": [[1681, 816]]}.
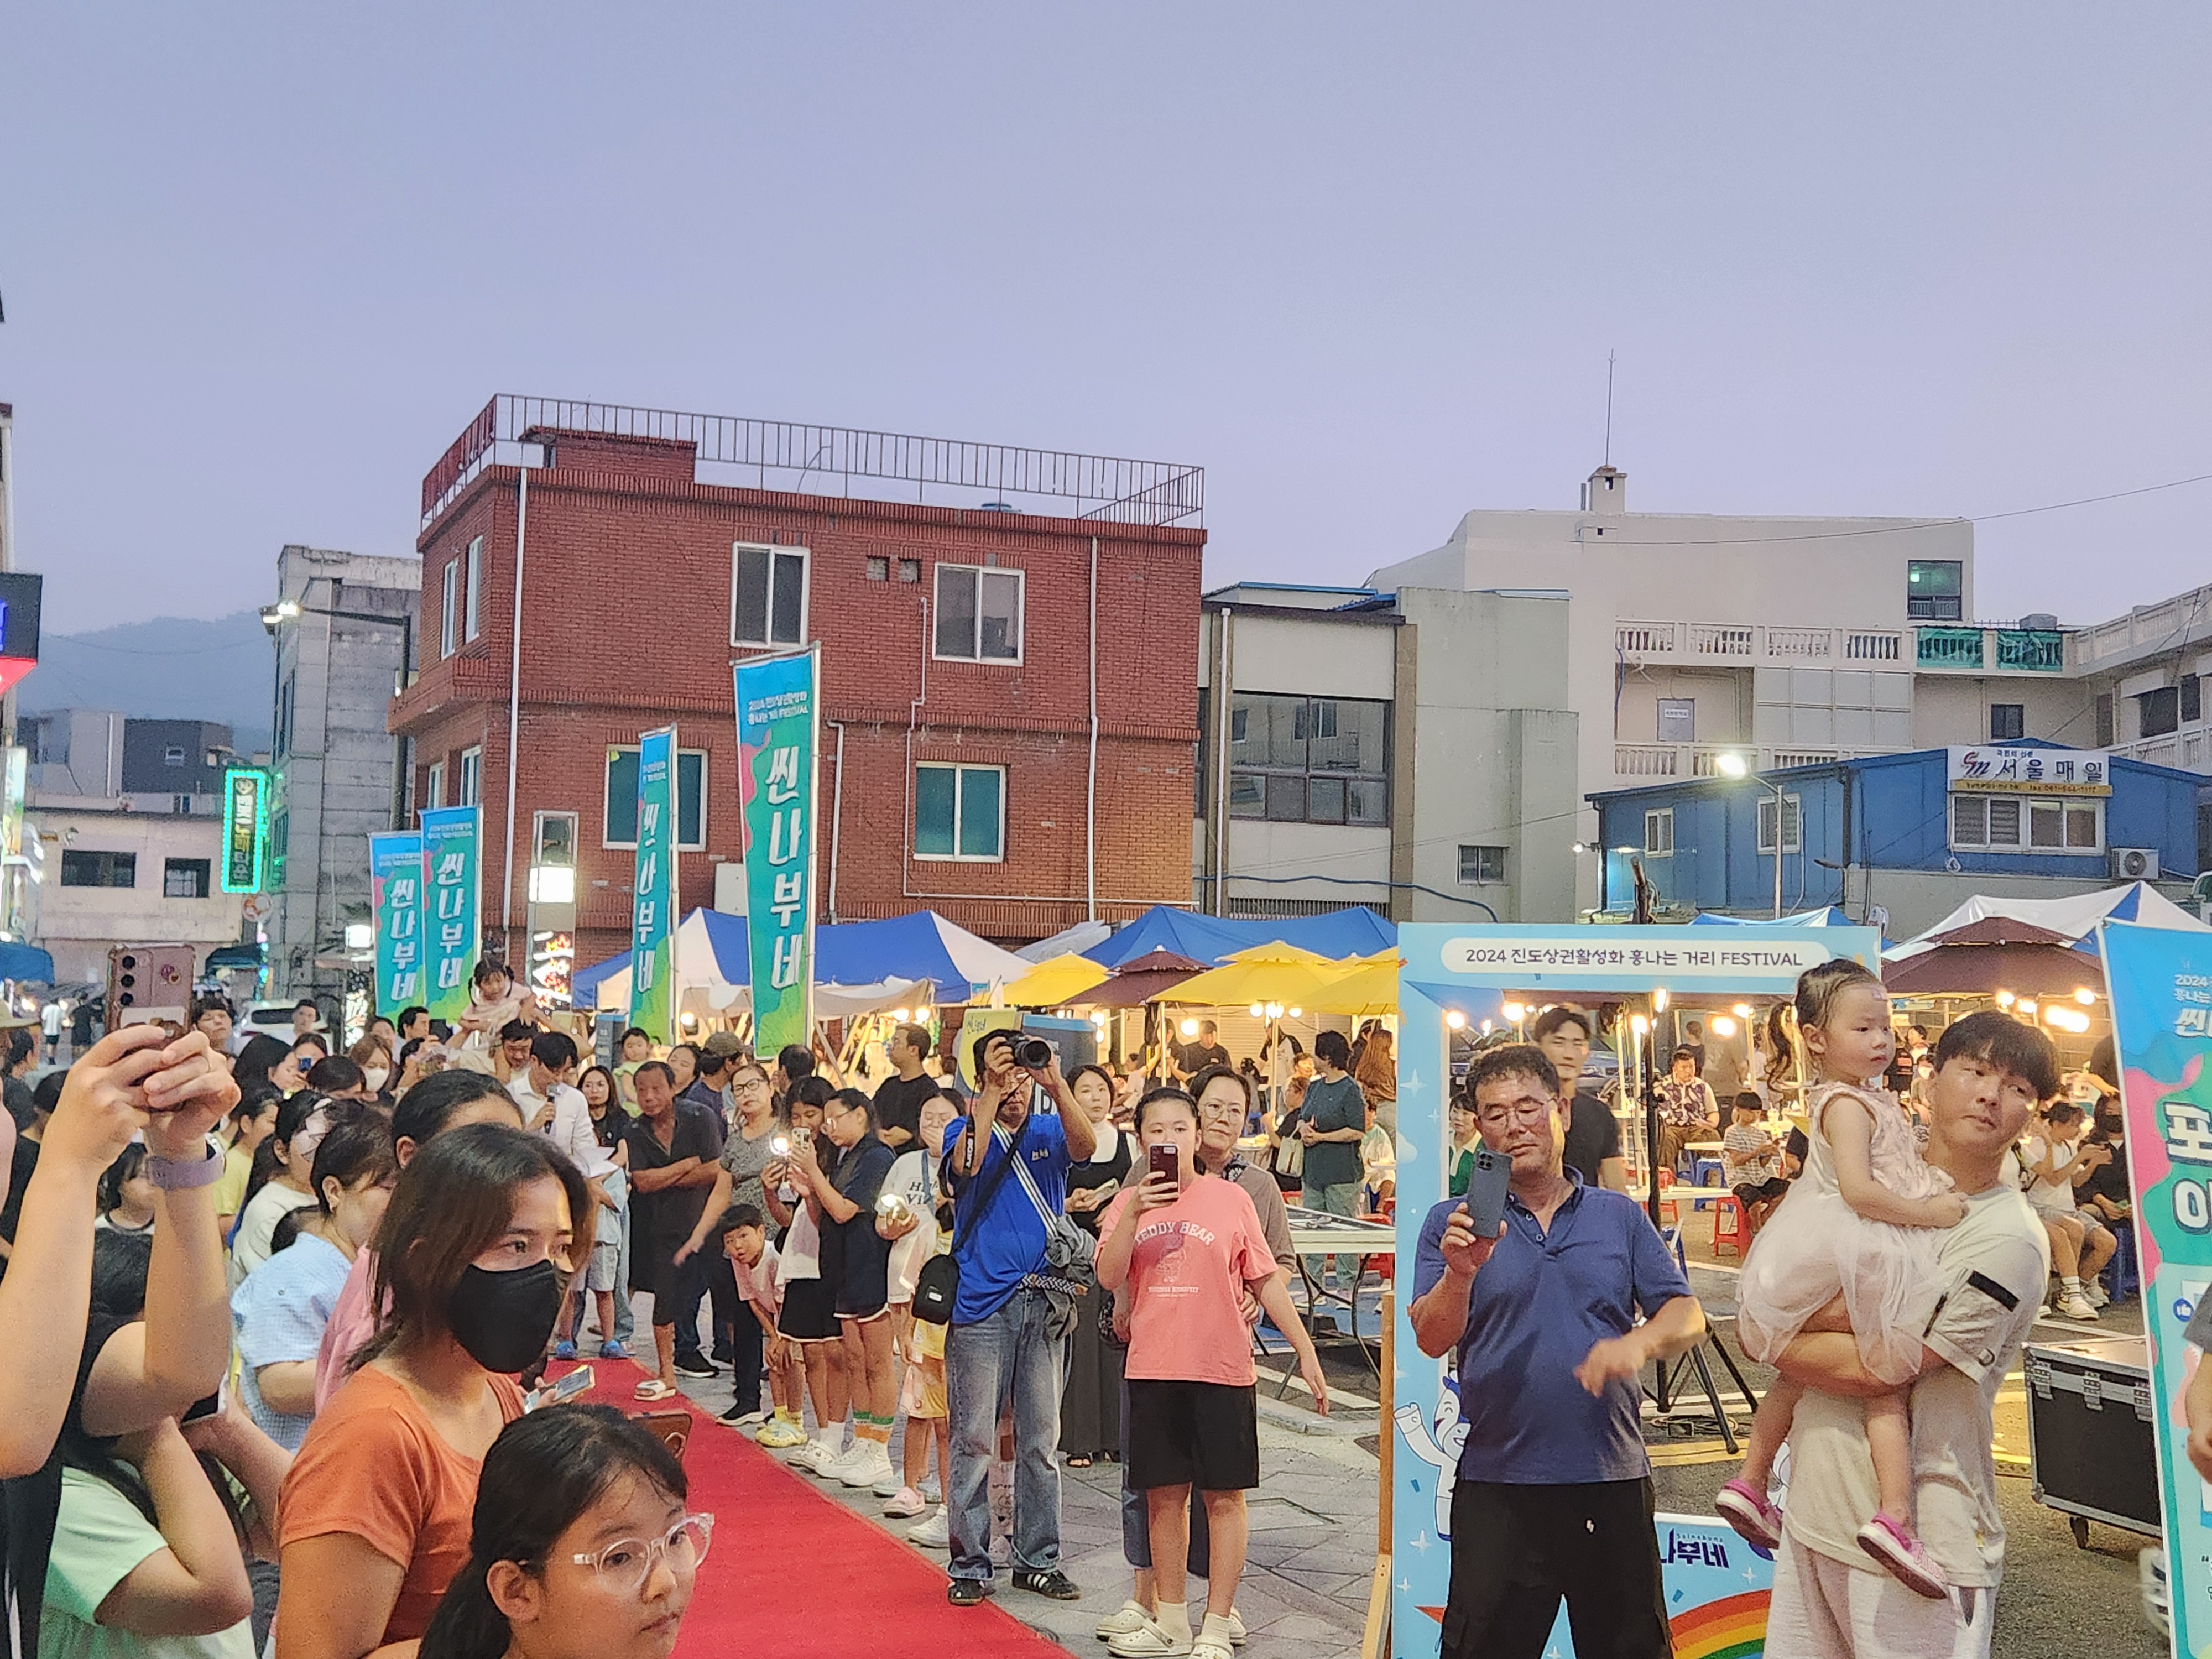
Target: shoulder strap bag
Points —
{"points": [[938, 1285]]}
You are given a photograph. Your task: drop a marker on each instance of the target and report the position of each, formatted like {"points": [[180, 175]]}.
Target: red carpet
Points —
{"points": [[794, 1572]]}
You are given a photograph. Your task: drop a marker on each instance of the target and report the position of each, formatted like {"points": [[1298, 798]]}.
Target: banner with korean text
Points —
{"points": [[451, 836], [395, 900], [2160, 981], [777, 707], [653, 891]]}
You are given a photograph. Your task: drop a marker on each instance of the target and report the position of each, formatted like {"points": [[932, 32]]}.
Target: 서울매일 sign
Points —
{"points": [[2007, 770]]}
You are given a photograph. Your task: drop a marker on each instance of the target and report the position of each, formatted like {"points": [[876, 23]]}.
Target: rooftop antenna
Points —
{"points": [[1608, 408]]}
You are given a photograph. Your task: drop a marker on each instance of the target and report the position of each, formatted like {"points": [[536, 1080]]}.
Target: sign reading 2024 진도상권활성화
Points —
{"points": [[776, 711], [395, 899], [2160, 981], [450, 836], [653, 890]]}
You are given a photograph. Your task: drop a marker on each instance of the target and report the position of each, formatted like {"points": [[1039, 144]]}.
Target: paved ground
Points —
{"points": [[1304, 1592]]}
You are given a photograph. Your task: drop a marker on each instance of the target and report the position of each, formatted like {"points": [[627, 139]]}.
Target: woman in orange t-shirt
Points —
{"points": [[474, 1258]]}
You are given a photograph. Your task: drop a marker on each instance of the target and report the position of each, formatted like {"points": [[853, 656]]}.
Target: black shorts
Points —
{"points": [[1764, 1192], [809, 1312], [653, 1270], [1205, 1435], [1516, 1551]]}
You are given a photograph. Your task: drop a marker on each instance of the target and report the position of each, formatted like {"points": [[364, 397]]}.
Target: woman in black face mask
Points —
{"points": [[474, 1258]]}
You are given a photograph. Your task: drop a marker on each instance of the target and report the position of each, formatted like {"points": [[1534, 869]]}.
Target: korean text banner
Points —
{"points": [[776, 711], [395, 898], [653, 893], [450, 838], [2160, 981]]}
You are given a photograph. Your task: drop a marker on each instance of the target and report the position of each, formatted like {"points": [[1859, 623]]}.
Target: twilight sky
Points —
{"points": [[261, 263]]}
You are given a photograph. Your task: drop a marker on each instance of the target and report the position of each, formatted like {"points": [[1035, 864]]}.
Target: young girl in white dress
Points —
{"points": [[1853, 1247]]}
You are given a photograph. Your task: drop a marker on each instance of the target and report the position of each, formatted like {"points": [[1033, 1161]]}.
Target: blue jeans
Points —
{"points": [[1006, 1355], [1338, 1198], [625, 1319]]}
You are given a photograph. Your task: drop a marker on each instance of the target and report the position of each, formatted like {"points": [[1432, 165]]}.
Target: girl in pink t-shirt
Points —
{"points": [[1181, 1251]]}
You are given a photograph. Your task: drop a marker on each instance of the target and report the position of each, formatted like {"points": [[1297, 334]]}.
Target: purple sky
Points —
{"points": [[261, 264]]}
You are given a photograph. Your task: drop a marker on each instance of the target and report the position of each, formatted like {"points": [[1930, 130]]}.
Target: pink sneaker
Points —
{"points": [[1903, 1556], [1744, 1507]]}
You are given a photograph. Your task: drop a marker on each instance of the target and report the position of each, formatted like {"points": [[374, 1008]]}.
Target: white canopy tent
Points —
{"points": [[2076, 916]]}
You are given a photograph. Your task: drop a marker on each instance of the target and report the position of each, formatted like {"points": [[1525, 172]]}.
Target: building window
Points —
{"points": [[960, 812], [1481, 866], [2159, 712], [185, 877], [621, 815], [471, 778], [909, 570], [2012, 824], [173, 755], [1793, 825], [449, 609], [284, 699], [1308, 760], [1659, 833], [768, 594], [1677, 719], [84, 869], [1935, 590], [2105, 719], [434, 787], [979, 613], [2007, 721], [879, 570], [472, 611], [2192, 697]]}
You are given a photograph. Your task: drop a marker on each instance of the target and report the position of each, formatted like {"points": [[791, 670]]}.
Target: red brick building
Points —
{"points": [[963, 715]]}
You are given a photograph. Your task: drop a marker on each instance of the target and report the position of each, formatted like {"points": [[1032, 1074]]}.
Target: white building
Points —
{"points": [[344, 626], [1411, 751], [116, 876]]}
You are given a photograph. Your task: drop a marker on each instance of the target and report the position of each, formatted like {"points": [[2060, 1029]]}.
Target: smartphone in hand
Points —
{"points": [[1485, 1191], [1166, 1161]]}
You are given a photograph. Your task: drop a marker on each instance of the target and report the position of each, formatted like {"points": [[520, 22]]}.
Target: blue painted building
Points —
{"points": [[1912, 835]]}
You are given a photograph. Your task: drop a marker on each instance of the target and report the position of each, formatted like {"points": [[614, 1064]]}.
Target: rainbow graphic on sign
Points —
{"points": [[1734, 1627]]}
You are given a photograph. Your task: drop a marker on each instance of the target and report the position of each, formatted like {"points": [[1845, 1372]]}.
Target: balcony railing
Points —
{"points": [[1641, 760], [2190, 748], [1981, 650], [1752, 643]]}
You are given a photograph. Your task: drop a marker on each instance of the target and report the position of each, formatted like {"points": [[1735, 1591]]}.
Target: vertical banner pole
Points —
{"points": [[395, 882], [779, 765], [653, 891], [451, 838]]}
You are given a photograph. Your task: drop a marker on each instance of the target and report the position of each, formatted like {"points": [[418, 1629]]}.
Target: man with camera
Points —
{"points": [[1006, 1163]]}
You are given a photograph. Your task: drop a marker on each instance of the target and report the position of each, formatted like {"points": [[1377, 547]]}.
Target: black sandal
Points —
{"points": [[1078, 1462]]}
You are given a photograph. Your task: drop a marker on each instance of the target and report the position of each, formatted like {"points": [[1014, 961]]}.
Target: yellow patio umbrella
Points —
{"points": [[1052, 981], [1372, 987], [1279, 951], [1291, 982]]}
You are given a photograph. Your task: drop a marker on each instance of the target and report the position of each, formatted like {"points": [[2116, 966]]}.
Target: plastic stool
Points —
{"points": [[1731, 1235]]}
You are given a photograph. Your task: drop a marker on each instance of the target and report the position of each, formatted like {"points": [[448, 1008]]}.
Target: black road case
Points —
{"points": [[2089, 1407]]}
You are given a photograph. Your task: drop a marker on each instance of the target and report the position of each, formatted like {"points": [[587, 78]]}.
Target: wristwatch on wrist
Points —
{"points": [[181, 1174]]}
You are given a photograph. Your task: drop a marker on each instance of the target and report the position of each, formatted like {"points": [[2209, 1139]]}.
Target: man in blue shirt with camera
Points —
{"points": [[1553, 1495]]}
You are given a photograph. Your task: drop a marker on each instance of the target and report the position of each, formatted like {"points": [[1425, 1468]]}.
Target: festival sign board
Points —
{"points": [[2008, 769], [778, 707], [2160, 983], [1716, 1584], [451, 838], [653, 891], [245, 828], [395, 900]]}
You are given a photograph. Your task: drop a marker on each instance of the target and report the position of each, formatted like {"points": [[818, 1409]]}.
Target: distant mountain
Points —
{"points": [[170, 668]]}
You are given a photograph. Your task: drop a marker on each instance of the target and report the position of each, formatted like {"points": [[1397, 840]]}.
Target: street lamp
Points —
{"points": [[1729, 764]]}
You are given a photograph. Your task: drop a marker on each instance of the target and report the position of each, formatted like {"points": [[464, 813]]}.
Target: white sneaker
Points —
{"points": [[2077, 1307], [893, 1484], [847, 1461], [1148, 1641], [2098, 1295], [1130, 1619], [867, 1464], [933, 1534], [932, 1491]]}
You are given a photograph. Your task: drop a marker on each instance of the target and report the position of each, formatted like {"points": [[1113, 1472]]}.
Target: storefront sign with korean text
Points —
{"points": [[2015, 771]]}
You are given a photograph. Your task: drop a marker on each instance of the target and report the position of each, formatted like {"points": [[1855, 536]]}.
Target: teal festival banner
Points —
{"points": [[653, 891], [451, 837], [778, 705], [395, 900], [2160, 981]]}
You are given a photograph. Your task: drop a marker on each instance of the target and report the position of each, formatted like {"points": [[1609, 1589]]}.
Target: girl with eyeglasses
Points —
{"points": [[581, 1546]]}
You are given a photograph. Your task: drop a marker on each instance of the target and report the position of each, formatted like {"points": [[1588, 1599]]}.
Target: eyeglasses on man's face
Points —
{"points": [[1528, 1108]]}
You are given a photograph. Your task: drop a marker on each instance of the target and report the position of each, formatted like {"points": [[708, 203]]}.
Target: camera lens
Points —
{"points": [[1032, 1053]]}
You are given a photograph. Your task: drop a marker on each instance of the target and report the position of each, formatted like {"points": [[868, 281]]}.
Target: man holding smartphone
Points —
{"points": [[1006, 1163], [1553, 1495]]}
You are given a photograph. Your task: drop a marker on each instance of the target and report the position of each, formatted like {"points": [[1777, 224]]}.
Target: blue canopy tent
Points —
{"points": [[1355, 930], [1828, 915], [25, 962]]}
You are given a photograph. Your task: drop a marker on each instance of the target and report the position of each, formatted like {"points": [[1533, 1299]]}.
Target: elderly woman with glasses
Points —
{"points": [[748, 1151]]}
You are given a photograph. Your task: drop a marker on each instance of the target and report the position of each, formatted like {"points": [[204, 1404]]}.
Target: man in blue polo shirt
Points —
{"points": [[1000, 1344], [1553, 1491]]}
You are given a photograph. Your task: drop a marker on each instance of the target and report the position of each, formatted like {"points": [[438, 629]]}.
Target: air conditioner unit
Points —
{"points": [[2135, 863]]}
